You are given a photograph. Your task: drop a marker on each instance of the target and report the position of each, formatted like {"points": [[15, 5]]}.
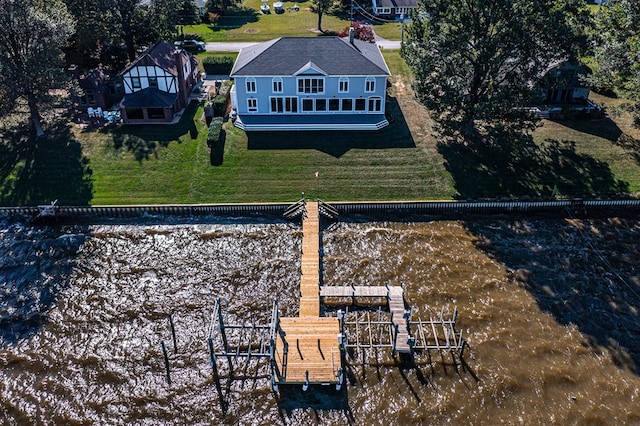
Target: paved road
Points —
{"points": [[235, 46]]}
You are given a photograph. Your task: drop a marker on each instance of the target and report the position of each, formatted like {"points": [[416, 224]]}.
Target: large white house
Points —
{"points": [[157, 84], [310, 83]]}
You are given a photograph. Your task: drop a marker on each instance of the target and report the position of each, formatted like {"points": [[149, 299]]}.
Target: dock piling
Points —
{"points": [[173, 334], [166, 362]]}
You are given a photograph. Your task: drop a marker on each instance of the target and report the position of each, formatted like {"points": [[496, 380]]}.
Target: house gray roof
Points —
{"points": [[149, 98], [161, 54], [396, 3], [333, 55]]}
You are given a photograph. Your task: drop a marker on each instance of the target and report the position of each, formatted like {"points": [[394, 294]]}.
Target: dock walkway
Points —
{"points": [[395, 299], [311, 353]]}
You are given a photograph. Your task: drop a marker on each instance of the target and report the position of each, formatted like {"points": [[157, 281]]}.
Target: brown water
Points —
{"points": [[549, 308]]}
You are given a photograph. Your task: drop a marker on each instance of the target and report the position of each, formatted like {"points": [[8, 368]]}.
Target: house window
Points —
{"points": [[334, 104], [370, 85], [286, 104], [375, 104], [310, 85], [291, 104], [91, 99], [134, 113], [343, 85], [321, 104], [135, 83], [155, 113], [252, 105], [361, 104], [251, 85], [307, 105], [277, 85], [153, 82], [347, 104]]}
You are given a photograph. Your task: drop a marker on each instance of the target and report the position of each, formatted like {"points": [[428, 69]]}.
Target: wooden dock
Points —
{"points": [[309, 351], [313, 354], [310, 264], [395, 300]]}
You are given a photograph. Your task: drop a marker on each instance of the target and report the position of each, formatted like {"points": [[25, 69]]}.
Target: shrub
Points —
{"points": [[360, 31], [217, 64], [215, 130], [222, 98]]}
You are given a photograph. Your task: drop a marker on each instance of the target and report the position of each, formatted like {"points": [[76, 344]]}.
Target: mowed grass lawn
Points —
{"points": [[390, 164], [249, 24], [401, 162]]}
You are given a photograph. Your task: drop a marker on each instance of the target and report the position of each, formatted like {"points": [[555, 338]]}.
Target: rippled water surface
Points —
{"points": [[550, 309]]}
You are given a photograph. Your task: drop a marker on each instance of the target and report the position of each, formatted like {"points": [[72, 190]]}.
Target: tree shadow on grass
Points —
{"points": [[631, 145], [143, 140], [235, 18], [583, 272], [516, 167], [337, 143], [39, 170]]}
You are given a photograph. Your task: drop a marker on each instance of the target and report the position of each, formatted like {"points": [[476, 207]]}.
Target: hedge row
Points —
{"points": [[215, 129], [221, 99], [217, 65]]}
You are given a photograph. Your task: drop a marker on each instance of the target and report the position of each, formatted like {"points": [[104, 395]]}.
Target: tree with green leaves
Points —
{"points": [[321, 7], [31, 60], [476, 61], [215, 6], [617, 52]]}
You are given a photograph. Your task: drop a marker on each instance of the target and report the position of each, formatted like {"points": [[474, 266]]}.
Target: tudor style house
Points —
{"points": [[157, 84], [310, 83]]}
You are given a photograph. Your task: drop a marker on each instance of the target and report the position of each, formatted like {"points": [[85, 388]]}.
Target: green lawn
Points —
{"points": [[172, 164], [249, 24]]}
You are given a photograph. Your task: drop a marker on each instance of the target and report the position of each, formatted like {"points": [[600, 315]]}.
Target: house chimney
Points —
{"points": [[351, 34]]}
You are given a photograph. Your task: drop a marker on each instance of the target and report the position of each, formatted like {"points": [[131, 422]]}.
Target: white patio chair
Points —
{"points": [[98, 112], [90, 112]]}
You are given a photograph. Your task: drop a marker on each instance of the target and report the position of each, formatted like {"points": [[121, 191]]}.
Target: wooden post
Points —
{"points": [[173, 334], [166, 362], [216, 376], [222, 331]]}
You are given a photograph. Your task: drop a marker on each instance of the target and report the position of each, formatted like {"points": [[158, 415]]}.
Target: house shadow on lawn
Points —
{"points": [[337, 143], [518, 167], [603, 128], [582, 272], [39, 170], [143, 140]]}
